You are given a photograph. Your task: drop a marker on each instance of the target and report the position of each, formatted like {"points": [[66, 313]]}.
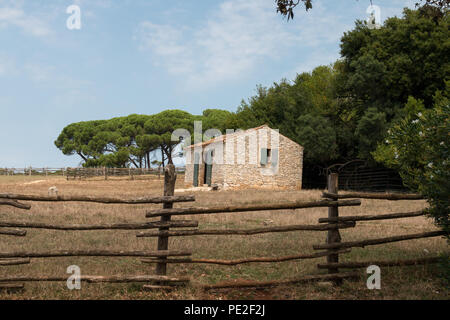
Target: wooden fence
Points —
{"points": [[106, 173], [14, 228], [30, 171], [334, 241], [85, 173], [331, 249]]}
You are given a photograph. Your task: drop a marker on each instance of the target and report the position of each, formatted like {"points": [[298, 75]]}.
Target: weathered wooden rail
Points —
{"points": [[105, 200], [245, 232], [251, 208], [110, 226]]}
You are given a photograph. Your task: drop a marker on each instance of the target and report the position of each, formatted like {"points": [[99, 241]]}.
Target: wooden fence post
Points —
{"points": [[170, 177], [333, 235]]}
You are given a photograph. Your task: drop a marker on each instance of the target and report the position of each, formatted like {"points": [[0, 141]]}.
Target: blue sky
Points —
{"points": [[145, 56]]}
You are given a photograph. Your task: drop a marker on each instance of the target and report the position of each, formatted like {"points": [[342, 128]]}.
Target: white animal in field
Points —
{"points": [[53, 191]]}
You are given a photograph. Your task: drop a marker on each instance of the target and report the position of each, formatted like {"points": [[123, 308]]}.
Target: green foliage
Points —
{"points": [[418, 147], [434, 9], [316, 134], [126, 141], [306, 110], [286, 7], [112, 143], [407, 56], [369, 131], [216, 119], [163, 124]]}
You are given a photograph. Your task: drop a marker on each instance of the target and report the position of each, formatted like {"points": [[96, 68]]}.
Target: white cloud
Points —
{"points": [[234, 41], [228, 45], [28, 23]]}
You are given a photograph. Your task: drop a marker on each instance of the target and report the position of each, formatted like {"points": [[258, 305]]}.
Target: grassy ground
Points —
{"points": [[420, 282]]}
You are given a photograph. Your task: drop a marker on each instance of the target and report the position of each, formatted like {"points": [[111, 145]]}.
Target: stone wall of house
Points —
{"points": [[286, 175], [240, 165]]}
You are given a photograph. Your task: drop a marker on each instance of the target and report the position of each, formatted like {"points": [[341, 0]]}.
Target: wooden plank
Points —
{"points": [[11, 287], [13, 232], [257, 207], [274, 283], [95, 279], [14, 262], [112, 226], [373, 195], [170, 177], [333, 235], [92, 253], [13, 203], [245, 232], [395, 263], [372, 242], [374, 217], [59, 198], [249, 260]]}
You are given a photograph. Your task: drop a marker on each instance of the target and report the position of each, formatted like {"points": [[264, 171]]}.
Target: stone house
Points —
{"points": [[254, 158]]}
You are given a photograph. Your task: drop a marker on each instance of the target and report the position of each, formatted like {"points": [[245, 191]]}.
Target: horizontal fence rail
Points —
{"points": [[248, 260], [11, 232], [373, 195], [106, 200], [371, 242], [11, 287], [374, 217], [112, 226], [14, 262], [13, 203], [380, 263], [266, 207], [246, 231], [93, 253], [95, 279]]}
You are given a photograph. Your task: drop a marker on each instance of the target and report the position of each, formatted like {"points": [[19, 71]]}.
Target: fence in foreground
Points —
{"points": [[165, 228]]}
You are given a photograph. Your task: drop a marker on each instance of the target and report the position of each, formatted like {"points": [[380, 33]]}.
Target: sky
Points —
{"points": [[146, 56]]}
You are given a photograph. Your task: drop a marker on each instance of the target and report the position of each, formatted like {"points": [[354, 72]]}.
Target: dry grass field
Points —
{"points": [[419, 282]]}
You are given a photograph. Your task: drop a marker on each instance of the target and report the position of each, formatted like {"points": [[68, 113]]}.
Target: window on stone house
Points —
{"points": [[269, 156], [265, 156]]}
